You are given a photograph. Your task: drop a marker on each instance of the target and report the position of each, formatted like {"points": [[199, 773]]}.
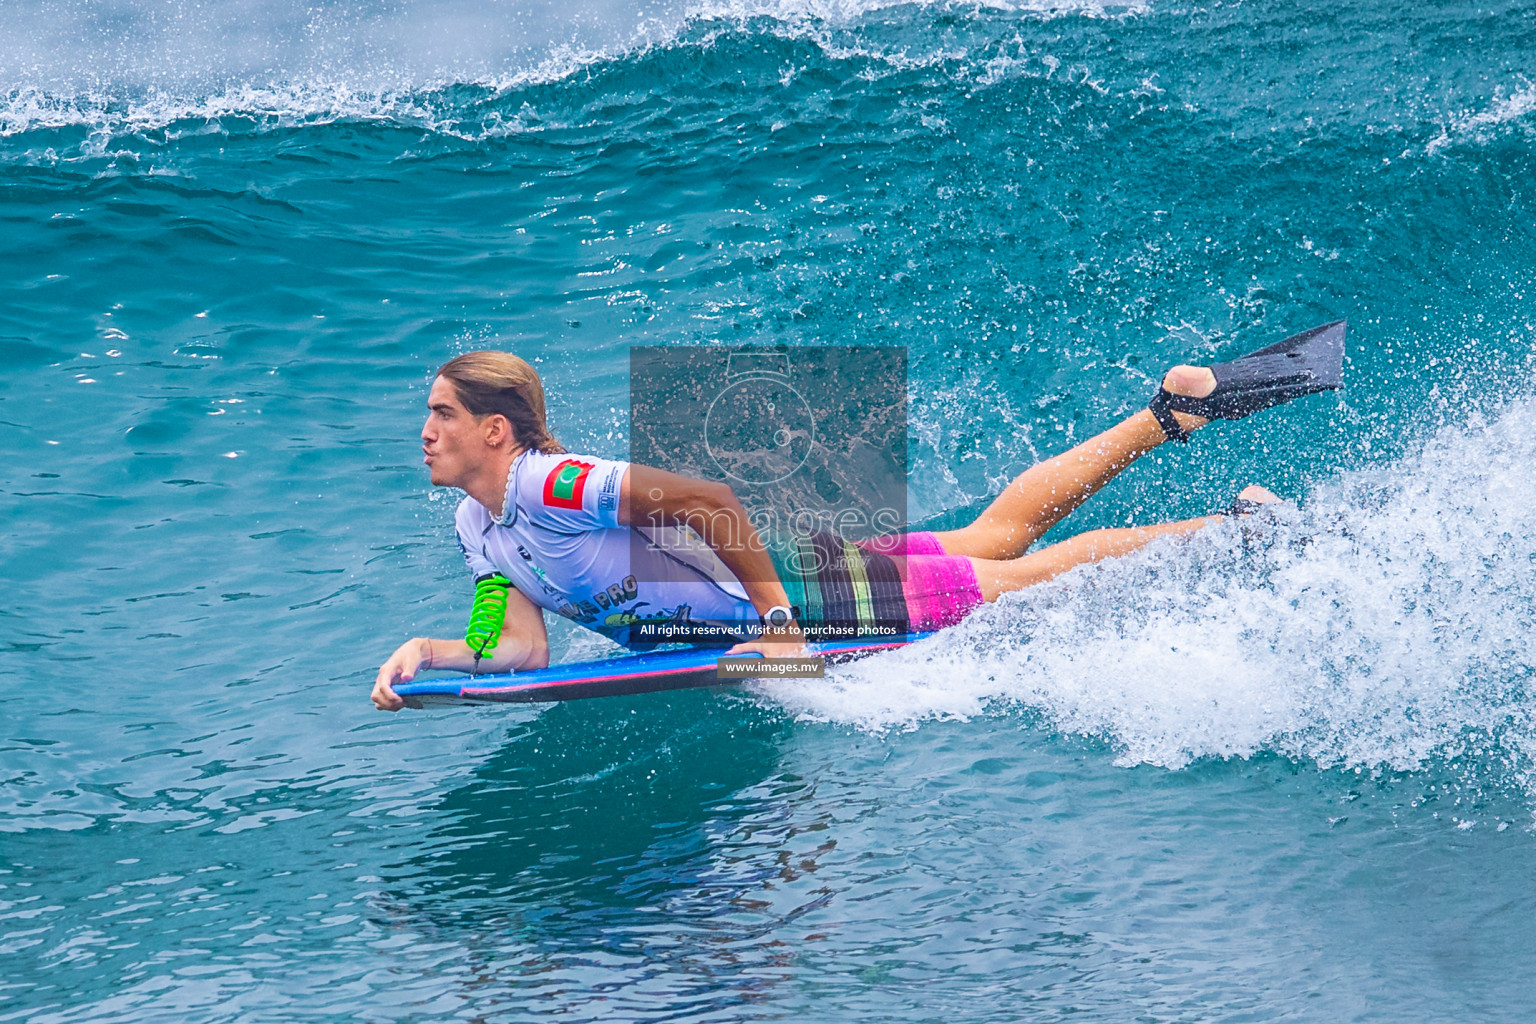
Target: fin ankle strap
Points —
{"points": [[1162, 408]]}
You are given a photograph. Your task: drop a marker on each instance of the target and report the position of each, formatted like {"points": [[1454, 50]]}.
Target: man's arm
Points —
{"points": [[524, 644], [654, 497]]}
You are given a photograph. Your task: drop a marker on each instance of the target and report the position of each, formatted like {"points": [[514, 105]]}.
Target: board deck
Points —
{"points": [[616, 677]]}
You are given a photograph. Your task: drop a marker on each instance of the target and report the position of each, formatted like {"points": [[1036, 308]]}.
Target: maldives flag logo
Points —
{"points": [[563, 486]]}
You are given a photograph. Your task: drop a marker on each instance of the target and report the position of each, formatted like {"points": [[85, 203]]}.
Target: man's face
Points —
{"points": [[453, 441]]}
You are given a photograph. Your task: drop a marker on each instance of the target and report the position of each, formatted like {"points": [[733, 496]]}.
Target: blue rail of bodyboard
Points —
{"points": [[613, 677]]}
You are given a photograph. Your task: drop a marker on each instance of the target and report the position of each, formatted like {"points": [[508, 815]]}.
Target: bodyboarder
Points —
{"points": [[618, 547]]}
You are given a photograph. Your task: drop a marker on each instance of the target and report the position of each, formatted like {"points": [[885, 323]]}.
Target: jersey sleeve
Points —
{"points": [[470, 523], [570, 493]]}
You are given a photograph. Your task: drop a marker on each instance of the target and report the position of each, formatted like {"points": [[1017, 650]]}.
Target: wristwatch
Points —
{"points": [[778, 616]]}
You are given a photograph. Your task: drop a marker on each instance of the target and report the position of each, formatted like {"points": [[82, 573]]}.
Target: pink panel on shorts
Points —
{"points": [[940, 589], [922, 543]]}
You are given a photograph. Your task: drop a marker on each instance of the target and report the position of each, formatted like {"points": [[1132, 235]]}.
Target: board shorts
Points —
{"points": [[889, 585]]}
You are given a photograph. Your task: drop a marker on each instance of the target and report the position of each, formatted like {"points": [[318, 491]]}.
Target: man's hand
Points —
{"points": [[401, 667], [786, 642]]}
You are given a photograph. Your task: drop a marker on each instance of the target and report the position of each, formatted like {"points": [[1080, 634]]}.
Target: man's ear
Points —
{"points": [[498, 430]]}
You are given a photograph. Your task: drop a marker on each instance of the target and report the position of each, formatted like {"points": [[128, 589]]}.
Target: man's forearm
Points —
{"points": [[511, 654], [711, 510], [737, 543]]}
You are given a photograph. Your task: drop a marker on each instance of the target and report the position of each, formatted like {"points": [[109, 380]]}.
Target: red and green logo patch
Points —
{"points": [[565, 483]]}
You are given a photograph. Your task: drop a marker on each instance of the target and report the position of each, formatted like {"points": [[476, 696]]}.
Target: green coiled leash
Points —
{"points": [[486, 615]]}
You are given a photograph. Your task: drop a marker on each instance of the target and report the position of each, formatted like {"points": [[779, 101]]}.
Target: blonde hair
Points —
{"points": [[499, 383]]}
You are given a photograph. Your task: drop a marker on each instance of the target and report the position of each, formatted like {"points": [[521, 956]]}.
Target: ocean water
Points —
{"points": [[1278, 771]]}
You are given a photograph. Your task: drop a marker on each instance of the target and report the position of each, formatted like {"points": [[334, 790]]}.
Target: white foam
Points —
{"points": [[1391, 620], [1478, 127]]}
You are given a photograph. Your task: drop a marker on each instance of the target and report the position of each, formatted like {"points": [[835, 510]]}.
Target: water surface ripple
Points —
{"points": [[1280, 771]]}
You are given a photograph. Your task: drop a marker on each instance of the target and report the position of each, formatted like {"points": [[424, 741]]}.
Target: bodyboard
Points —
{"points": [[618, 677]]}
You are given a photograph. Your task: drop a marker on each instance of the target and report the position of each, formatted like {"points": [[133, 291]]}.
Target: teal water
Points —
{"points": [[1280, 773]]}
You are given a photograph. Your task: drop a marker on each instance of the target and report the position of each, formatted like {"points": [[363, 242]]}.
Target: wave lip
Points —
{"points": [[122, 68]]}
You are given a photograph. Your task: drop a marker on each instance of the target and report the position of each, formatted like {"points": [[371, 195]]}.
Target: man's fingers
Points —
{"points": [[771, 650], [386, 699], [393, 671]]}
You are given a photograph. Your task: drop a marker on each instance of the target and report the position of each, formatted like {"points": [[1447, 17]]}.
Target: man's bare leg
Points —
{"points": [[1040, 496], [999, 577]]}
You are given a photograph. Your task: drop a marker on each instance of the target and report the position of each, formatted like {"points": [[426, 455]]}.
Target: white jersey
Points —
{"points": [[563, 548]]}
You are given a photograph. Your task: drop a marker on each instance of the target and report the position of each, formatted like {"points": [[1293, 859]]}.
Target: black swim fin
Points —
{"points": [[1302, 365]]}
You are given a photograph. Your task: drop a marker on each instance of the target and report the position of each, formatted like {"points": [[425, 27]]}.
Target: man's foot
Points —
{"points": [[1258, 495], [1251, 499], [1191, 396], [1194, 381]]}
